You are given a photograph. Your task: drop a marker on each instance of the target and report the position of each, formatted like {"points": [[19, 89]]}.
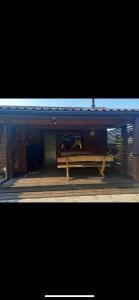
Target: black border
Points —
{"points": [[79, 246], [82, 73], [70, 249]]}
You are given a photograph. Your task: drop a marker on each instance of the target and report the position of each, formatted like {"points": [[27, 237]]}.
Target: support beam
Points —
{"points": [[136, 150]]}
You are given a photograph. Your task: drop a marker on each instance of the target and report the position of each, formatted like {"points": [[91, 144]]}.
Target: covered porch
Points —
{"points": [[31, 144]]}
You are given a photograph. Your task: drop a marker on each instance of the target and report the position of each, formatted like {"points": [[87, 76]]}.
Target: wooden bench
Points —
{"points": [[83, 161]]}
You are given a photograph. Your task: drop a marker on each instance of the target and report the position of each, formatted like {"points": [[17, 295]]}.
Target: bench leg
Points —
{"points": [[102, 169], [102, 172], [67, 173]]}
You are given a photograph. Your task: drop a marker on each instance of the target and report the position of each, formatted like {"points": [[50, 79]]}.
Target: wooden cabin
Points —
{"points": [[32, 138]]}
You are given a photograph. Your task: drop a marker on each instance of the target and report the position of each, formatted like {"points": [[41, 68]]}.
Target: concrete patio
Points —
{"points": [[123, 198]]}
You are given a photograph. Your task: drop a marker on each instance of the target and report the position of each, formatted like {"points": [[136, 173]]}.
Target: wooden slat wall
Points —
{"points": [[114, 139], [20, 138], [3, 154], [18, 144], [136, 149], [130, 156], [16, 138], [124, 145], [9, 151]]}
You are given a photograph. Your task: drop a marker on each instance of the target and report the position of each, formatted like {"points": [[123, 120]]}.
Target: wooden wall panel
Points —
{"points": [[115, 145], [3, 154], [136, 150], [18, 144], [59, 122], [130, 144], [20, 138], [96, 143]]}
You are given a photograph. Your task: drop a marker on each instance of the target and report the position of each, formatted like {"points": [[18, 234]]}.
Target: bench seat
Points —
{"points": [[85, 165]]}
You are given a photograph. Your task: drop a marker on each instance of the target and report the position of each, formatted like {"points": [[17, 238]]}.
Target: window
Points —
{"points": [[71, 142]]}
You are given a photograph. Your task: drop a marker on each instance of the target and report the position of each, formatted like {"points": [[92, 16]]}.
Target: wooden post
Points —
{"points": [[125, 150], [136, 150]]}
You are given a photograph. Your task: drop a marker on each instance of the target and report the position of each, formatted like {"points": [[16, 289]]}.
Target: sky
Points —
{"points": [[111, 103]]}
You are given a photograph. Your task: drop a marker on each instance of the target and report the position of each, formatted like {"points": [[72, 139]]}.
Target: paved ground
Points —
{"points": [[75, 199], [2, 180], [58, 178]]}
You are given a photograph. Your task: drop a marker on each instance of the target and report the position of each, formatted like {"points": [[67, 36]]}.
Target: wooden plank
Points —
{"points": [[79, 158], [82, 166], [8, 151], [3, 152], [65, 121], [18, 148]]}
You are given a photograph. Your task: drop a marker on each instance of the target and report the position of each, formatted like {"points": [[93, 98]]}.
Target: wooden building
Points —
{"points": [[31, 138]]}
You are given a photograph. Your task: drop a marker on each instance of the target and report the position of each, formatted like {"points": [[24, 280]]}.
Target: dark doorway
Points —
{"points": [[34, 157], [50, 149]]}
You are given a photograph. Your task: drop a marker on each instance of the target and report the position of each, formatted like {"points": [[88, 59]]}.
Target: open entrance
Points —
{"points": [[34, 153], [35, 149], [49, 149]]}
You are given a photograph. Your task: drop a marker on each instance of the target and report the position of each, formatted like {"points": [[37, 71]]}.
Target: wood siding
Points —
{"points": [[3, 154], [96, 143], [136, 150], [18, 147]]}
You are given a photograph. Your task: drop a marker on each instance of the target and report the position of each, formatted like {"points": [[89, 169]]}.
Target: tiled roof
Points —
{"points": [[62, 109]]}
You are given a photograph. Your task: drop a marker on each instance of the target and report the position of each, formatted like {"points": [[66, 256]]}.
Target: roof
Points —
{"points": [[42, 112], [67, 109]]}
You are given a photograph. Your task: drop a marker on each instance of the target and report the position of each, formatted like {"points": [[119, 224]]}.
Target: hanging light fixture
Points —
{"points": [[92, 132]]}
